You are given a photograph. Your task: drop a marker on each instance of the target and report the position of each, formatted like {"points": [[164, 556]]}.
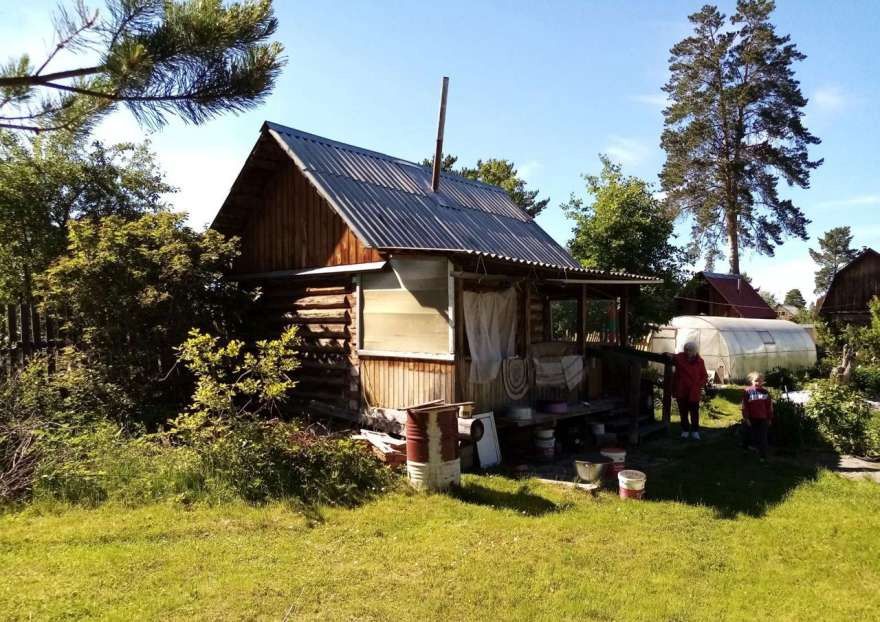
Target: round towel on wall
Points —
{"points": [[515, 375]]}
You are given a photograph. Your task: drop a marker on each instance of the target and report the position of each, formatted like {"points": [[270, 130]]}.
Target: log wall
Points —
{"points": [[325, 312]]}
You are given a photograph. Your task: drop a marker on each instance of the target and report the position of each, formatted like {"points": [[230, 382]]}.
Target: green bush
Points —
{"points": [[867, 378], [844, 418], [782, 378], [791, 428]]}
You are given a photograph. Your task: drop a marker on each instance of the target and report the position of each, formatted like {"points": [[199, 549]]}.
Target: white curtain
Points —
{"points": [[490, 322]]}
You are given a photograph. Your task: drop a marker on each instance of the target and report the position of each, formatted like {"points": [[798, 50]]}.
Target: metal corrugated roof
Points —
{"points": [[740, 295], [388, 202]]}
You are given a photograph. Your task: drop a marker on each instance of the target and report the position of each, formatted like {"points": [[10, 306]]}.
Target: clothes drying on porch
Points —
{"points": [[490, 322], [515, 374], [567, 371]]}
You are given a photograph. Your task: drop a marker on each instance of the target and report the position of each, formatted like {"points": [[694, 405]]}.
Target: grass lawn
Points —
{"points": [[722, 537]]}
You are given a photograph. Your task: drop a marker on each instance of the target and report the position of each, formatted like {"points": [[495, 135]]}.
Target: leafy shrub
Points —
{"points": [[130, 291], [791, 428], [781, 378], [867, 378], [80, 446], [42, 410], [844, 417]]}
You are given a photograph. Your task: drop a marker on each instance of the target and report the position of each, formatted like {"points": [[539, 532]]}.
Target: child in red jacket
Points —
{"points": [[757, 413]]}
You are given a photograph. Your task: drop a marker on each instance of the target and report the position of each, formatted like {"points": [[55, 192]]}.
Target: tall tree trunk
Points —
{"points": [[733, 241]]}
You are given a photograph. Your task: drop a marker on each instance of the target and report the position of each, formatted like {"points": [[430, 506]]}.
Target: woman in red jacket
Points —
{"points": [[688, 382]]}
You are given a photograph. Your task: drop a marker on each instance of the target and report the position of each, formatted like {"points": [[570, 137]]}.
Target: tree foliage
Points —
{"points": [[624, 227], [47, 182], [733, 129], [193, 59], [834, 252], [130, 292], [497, 172], [795, 298]]}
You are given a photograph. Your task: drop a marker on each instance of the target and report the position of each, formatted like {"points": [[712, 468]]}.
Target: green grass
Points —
{"points": [[721, 537]]}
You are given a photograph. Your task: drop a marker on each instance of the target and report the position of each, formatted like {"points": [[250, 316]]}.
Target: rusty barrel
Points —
{"points": [[432, 460]]}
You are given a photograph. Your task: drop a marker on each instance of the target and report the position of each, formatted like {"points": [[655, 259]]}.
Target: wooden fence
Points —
{"points": [[24, 331]]}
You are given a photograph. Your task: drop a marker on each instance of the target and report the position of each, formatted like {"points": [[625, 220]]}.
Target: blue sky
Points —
{"points": [[548, 85]]}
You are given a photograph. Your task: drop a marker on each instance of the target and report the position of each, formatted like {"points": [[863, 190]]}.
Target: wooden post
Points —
{"points": [[26, 334], [527, 321], [35, 327], [634, 399], [623, 319], [667, 390], [581, 318], [459, 354], [546, 320]]}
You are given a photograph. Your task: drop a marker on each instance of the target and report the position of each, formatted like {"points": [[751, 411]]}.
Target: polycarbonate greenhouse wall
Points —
{"points": [[733, 347]]}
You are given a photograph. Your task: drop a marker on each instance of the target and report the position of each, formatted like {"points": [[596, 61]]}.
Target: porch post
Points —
{"points": [[623, 318], [634, 399], [581, 318], [667, 390]]}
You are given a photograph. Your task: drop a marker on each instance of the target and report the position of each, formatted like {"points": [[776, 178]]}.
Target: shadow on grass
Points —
{"points": [[522, 501], [719, 474]]}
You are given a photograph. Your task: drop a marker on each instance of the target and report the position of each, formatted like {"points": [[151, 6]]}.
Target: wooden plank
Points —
{"points": [[667, 390], [27, 338]]}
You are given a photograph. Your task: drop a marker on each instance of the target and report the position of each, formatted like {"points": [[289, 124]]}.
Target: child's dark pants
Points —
{"points": [[689, 410], [756, 434]]}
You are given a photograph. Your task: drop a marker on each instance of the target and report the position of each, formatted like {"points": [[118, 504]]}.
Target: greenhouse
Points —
{"points": [[733, 347]]}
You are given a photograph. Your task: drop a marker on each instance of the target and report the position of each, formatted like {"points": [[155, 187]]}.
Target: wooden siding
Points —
{"points": [[851, 290], [292, 227], [398, 383]]}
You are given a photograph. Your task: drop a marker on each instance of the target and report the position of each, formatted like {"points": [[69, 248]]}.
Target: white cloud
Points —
{"points": [[658, 100], [627, 150], [856, 201], [828, 99], [778, 277], [528, 169]]}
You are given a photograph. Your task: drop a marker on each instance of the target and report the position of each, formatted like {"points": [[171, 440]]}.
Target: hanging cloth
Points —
{"points": [[515, 374], [490, 321]]}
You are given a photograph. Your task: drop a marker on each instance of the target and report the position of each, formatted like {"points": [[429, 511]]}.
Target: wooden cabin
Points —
{"points": [[722, 295], [851, 290], [404, 295]]}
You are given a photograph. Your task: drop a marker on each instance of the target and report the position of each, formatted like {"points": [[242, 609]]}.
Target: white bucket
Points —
{"points": [[631, 484], [439, 476], [544, 434]]}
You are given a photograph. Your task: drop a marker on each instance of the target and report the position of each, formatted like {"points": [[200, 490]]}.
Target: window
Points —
{"points": [[766, 337], [406, 310]]}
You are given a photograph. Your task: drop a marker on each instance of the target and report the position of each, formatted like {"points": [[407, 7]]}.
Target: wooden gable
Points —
{"points": [[282, 220]]}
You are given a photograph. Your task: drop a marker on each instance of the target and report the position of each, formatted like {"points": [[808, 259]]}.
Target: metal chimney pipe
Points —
{"points": [[441, 123]]}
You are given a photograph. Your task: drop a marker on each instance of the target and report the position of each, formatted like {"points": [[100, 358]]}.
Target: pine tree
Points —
{"points": [[733, 129], [795, 298], [497, 172], [193, 59], [834, 253]]}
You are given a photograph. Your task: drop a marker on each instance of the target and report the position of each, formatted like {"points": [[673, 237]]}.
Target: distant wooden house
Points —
{"points": [[722, 295], [393, 283], [787, 312], [846, 300]]}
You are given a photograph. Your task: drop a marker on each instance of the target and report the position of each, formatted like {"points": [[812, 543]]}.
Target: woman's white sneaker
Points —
{"points": [[695, 436], [685, 434]]}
